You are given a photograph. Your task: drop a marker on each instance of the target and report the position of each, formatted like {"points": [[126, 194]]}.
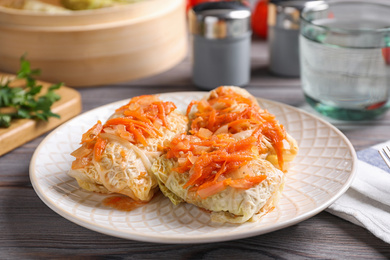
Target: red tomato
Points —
{"points": [[190, 3], [386, 55], [259, 18]]}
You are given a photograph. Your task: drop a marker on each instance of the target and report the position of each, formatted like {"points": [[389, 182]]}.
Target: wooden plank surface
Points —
{"points": [[24, 130], [30, 230]]}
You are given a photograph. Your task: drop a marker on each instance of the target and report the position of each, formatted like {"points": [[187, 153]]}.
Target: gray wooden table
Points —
{"points": [[30, 230]]}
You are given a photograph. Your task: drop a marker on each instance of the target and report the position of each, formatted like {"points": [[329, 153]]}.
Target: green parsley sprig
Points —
{"points": [[26, 102]]}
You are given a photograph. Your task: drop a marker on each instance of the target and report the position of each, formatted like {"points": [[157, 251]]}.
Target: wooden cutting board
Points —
{"points": [[23, 130]]}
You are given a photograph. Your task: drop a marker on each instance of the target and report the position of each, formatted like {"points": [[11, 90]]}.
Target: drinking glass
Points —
{"points": [[345, 58]]}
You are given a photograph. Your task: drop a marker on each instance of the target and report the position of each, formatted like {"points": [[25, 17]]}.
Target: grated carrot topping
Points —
{"points": [[99, 147], [217, 146], [143, 116], [136, 121], [226, 107], [225, 155]]}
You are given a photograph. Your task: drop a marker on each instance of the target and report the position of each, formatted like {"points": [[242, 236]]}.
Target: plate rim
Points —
{"points": [[178, 239]]}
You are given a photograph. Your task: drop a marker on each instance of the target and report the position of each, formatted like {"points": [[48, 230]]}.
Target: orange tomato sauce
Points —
{"points": [[122, 203]]}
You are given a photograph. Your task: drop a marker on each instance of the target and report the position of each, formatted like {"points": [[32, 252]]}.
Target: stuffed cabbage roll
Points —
{"points": [[232, 162], [226, 178], [116, 157]]}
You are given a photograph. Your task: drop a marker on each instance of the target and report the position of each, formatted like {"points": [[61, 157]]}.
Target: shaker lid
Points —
{"points": [[218, 20], [286, 13]]}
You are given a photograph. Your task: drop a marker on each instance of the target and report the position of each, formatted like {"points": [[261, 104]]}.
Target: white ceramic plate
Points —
{"points": [[322, 171]]}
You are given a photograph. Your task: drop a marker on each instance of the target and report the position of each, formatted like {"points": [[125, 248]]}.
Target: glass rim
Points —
{"points": [[316, 6]]}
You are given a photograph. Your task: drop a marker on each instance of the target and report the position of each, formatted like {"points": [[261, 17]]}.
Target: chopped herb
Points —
{"points": [[26, 102]]}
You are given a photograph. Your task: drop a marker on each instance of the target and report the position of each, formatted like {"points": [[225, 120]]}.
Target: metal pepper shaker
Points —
{"points": [[221, 43], [283, 36]]}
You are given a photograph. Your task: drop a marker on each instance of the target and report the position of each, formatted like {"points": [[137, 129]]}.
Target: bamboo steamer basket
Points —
{"points": [[96, 47]]}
